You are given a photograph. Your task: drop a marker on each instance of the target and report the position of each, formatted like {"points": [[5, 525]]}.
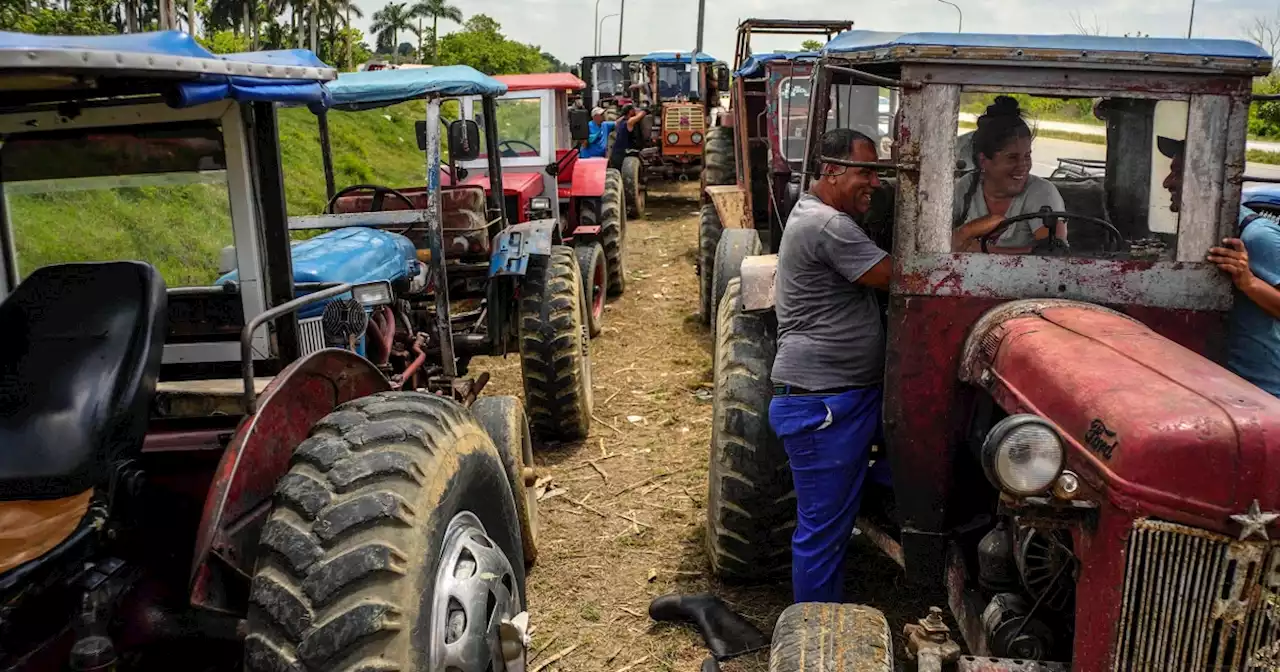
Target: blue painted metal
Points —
{"points": [[379, 88], [353, 255], [675, 57], [513, 247], [754, 66], [870, 40], [1264, 196]]}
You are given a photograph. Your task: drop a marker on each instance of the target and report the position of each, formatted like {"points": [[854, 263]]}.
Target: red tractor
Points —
{"points": [[1072, 465], [544, 178]]}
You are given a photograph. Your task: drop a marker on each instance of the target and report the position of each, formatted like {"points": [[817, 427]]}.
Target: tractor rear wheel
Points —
{"points": [[393, 528], [595, 283], [812, 637], [633, 183], [718, 163], [751, 509], [734, 246], [555, 359], [613, 231], [709, 231], [504, 421]]}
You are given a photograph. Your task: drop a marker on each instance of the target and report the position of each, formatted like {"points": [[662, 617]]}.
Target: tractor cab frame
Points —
{"points": [[608, 82], [682, 92], [1100, 354]]}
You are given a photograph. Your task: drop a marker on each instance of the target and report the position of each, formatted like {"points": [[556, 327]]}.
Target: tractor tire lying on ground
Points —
{"points": [[812, 637], [751, 509], [709, 231], [718, 163], [734, 246], [393, 520], [555, 358], [504, 420], [613, 232], [633, 186], [595, 283]]}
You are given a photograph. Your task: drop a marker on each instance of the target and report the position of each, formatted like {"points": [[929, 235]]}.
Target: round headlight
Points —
{"points": [[672, 138], [1022, 455], [696, 138]]}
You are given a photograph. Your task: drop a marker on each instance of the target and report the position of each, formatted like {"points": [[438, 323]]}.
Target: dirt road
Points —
{"points": [[622, 519]]}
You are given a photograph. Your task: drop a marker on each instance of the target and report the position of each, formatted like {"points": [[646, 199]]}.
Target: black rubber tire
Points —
{"points": [[709, 230], [751, 510], [348, 555], [633, 186], [590, 261], [555, 358], [718, 167], [812, 637], [504, 420], [613, 232], [734, 246]]}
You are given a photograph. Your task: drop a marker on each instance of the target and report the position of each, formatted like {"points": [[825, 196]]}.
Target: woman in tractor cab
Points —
{"points": [[1003, 186]]}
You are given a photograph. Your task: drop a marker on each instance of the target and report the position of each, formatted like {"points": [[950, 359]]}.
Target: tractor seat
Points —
{"points": [[79, 355], [463, 213]]}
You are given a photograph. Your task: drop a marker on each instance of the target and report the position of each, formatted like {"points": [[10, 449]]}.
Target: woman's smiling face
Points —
{"points": [[1005, 174]]}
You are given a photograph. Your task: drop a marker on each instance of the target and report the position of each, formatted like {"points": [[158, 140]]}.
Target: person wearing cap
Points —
{"points": [[597, 144], [1252, 260]]}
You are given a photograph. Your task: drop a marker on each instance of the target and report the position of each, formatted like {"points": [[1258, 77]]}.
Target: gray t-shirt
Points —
{"points": [[1039, 193], [829, 331]]}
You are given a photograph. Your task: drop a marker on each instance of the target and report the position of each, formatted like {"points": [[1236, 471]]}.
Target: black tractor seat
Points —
{"points": [[80, 352]]}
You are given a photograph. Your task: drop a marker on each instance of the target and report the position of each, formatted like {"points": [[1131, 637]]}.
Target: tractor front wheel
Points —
{"points": [[718, 167], [633, 181], [709, 230], [733, 246], [613, 231], [812, 637], [595, 283], [504, 420], [391, 532], [555, 359]]}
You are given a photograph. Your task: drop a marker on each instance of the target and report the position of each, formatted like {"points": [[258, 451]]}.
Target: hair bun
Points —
{"points": [[1004, 106]]}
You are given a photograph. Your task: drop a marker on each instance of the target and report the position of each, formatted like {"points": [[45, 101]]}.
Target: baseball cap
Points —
{"points": [[1170, 147], [597, 110]]}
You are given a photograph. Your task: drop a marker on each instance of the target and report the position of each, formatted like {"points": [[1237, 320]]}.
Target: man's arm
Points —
{"points": [[879, 275], [847, 249], [631, 123], [1256, 277]]}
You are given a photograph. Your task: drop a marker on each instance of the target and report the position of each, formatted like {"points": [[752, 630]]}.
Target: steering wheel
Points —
{"points": [[1054, 246], [507, 147], [379, 196]]}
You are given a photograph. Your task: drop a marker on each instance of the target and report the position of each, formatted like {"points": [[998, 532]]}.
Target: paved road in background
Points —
{"points": [[1045, 153], [1091, 129]]}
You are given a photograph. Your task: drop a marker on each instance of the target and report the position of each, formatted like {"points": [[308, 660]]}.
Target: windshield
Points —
{"points": [[519, 127], [154, 193], [609, 78], [676, 80], [862, 108]]}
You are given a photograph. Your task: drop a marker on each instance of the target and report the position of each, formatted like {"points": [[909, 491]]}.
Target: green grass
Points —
{"points": [[182, 229]]}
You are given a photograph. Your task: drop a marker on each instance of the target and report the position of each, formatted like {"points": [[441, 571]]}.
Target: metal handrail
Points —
{"points": [[246, 336]]}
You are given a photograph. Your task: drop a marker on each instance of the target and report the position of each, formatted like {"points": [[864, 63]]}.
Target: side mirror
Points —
{"points": [[575, 71], [420, 130], [464, 140], [579, 125], [722, 77]]}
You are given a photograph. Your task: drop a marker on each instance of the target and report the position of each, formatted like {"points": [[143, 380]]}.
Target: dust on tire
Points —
{"points": [[553, 348]]}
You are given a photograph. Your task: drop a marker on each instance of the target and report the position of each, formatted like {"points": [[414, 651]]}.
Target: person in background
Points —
{"points": [[597, 144], [829, 368], [624, 134], [1252, 260], [1003, 186]]}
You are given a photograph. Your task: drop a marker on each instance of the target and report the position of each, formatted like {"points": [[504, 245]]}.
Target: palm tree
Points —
{"points": [[389, 21], [436, 9]]}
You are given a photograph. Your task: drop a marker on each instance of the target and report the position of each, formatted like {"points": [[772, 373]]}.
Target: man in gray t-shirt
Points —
{"points": [[830, 361]]}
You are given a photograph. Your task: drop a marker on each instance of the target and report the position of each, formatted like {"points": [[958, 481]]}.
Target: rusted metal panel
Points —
{"points": [[759, 276], [926, 173], [1154, 284], [1233, 165], [1083, 82], [730, 202], [259, 454], [1202, 176]]}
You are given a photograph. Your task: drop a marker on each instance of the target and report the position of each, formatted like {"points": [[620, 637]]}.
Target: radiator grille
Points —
{"points": [[1198, 601], [311, 335]]}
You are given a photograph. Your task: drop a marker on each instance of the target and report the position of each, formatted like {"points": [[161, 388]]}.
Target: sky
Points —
{"points": [[565, 28]]}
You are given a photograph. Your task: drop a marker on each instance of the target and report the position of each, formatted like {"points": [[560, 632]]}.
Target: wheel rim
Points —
{"points": [[475, 590], [599, 287]]}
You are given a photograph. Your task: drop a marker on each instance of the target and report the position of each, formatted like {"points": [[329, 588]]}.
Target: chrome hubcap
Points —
{"points": [[475, 591]]}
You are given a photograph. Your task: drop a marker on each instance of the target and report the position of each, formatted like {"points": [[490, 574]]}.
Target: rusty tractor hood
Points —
{"points": [[1154, 425]]}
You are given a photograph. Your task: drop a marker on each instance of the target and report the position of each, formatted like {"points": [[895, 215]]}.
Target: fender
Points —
{"points": [[730, 201], [588, 178], [516, 243], [759, 274], [258, 456]]}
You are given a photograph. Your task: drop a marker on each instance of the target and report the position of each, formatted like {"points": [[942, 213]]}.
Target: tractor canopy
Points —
{"points": [[755, 65], [557, 81], [380, 88]]}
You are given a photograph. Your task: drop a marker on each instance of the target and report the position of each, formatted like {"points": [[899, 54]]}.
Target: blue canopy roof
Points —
{"points": [[754, 66], [202, 76], [675, 57], [378, 88], [866, 40]]}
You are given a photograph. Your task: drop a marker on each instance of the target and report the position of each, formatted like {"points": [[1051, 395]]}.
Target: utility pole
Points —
{"points": [[622, 16], [702, 15], [1191, 24], [596, 46]]}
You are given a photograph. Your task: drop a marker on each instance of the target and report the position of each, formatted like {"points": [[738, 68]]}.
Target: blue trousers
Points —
{"points": [[828, 440]]}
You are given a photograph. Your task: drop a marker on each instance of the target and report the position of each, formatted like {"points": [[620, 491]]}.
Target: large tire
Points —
{"points": [[709, 230], [555, 359], [504, 421], [360, 560], [595, 283], [633, 186], [734, 246], [751, 511], [613, 232], [718, 163], [812, 637]]}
